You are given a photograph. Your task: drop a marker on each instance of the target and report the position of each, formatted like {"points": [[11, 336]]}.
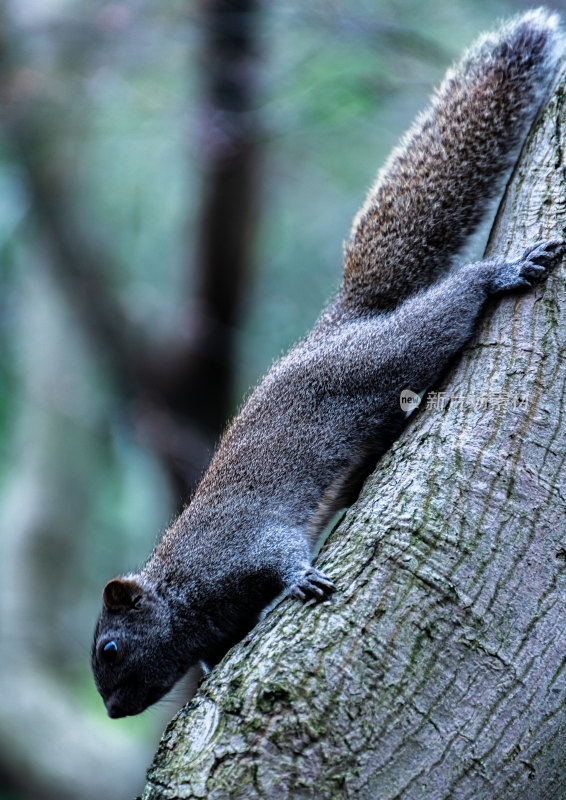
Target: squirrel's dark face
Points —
{"points": [[135, 656]]}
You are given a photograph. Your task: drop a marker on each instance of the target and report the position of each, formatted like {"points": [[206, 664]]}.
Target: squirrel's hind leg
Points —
{"points": [[531, 266]]}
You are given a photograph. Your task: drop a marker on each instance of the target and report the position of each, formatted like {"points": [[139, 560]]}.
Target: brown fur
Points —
{"points": [[424, 201]]}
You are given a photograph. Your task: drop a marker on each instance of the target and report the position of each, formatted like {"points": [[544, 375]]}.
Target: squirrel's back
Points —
{"points": [[294, 440]]}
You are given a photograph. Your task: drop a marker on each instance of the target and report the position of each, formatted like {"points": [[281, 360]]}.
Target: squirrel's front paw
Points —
{"points": [[312, 583], [532, 266]]}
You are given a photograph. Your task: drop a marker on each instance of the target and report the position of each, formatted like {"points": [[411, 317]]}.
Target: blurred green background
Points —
{"points": [[176, 181]]}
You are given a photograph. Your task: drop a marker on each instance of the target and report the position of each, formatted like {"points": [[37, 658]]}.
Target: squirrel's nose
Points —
{"points": [[115, 710]]}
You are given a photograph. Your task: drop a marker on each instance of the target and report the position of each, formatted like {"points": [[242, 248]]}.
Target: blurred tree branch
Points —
{"points": [[160, 389], [177, 396], [195, 373]]}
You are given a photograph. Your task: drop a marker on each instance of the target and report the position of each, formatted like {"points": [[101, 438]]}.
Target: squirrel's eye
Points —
{"points": [[110, 652]]}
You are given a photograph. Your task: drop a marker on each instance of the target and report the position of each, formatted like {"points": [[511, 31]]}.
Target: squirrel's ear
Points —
{"points": [[121, 594]]}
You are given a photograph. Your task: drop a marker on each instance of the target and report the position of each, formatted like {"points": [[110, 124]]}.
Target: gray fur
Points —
{"points": [[300, 445]]}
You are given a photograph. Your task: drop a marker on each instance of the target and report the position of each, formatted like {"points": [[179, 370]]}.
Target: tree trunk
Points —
{"points": [[439, 668]]}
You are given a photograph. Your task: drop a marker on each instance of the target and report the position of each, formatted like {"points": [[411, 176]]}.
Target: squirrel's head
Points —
{"points": [[136, 657]]}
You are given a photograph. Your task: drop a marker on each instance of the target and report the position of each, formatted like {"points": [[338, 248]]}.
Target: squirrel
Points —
{"points": [[326, 411]]}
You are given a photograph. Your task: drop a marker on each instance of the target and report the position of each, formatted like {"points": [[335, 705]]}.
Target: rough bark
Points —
{"points": [[439, 669]]}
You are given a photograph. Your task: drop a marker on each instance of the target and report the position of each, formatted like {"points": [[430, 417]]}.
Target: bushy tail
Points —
{"points": [[433, 191]]}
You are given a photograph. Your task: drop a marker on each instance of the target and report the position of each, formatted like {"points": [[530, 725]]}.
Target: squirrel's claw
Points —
{"points": [[312, 584], [539, 257]]}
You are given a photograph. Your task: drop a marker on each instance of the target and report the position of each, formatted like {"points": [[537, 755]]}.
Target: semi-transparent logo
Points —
{"points": [[409, 400]]}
